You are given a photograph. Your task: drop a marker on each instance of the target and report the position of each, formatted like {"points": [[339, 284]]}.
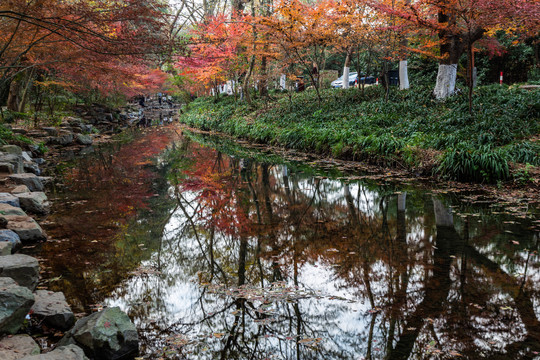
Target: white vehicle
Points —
{"points": [[338, 83]]}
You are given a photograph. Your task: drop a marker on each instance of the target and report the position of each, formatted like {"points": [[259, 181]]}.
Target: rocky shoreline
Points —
{"points": [[107, 334]]}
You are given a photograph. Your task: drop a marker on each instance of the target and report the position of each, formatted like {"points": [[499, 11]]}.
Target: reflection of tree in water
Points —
{"points": [[397, 279]]}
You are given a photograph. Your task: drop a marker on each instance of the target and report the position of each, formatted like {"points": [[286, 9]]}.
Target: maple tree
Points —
{"points": [[459, 24], [101, 45]]}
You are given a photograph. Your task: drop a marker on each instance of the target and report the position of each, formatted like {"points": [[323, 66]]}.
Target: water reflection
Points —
{"points": [[250, 260], [261, 261]]}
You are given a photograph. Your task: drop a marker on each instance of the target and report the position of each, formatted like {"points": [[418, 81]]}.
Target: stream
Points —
{"points": [[217, 252]]}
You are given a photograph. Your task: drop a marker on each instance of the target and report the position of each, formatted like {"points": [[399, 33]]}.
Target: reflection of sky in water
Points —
{"points": [[338, 309]]}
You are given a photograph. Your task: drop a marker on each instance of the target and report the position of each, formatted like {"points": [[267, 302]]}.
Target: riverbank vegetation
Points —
{"points": [[411, 129]]}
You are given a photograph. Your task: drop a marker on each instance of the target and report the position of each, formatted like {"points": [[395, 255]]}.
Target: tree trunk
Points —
{"points": [[345, 83], [446, 81], [13, 96], [403, 75]]}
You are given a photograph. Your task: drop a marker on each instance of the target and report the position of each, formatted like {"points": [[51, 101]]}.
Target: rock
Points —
{"points": [[18, 346], [39, 161], [20, 189], [53, 309], [64, 139], [23, 269], [87, 128], [26, 227], [73, 121], [8, 236], [108, 334], [70, 352], [13, 159], [7, 209], [84, 139], [11, 149], [45, 179], [15, 302], [26, 156], [7, 168], [31, 167], [51, 131], [7, 198], [5, 248], [32, 181], [34, 202]]}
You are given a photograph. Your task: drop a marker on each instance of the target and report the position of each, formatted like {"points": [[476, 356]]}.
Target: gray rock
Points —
{"points": [[45, 179], [73, 121], [53, 309], [26, 227], [5, 248], [26, 156], [8, 236], [34, 202], [23, 269], [64, 139], [7, 198], [13, 159], [70, 352], [39, 161], [6, 167], [51, 131], [31, 167], [17, 347], [108, 334], [84, 139], [11, 149], [7, 209], [20, 189], [32, 181], [19, 131], [15, 302]]}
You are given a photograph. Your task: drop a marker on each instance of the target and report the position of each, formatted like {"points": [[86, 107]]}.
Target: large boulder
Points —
{"points": [[106, 335], [23, 269], [11, 149], [10, 237], [84, 139], [53, 309], [17, 347], [26, 227], [70, 352], [32, 181], [7, 198], [34, 202], [7, 209], [13, 159], [15, 302]]}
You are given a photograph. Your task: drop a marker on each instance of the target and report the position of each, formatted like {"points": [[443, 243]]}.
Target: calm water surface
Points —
{"points": [[218, 254]]}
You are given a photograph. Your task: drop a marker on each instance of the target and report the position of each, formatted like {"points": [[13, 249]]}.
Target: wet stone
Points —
{"points": [[53, 309], [32, 181], [107, 335], [23, 269], [15, 303], [26, 227], [17, 347], [34, 202]]}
